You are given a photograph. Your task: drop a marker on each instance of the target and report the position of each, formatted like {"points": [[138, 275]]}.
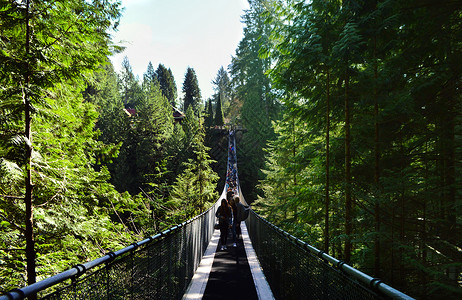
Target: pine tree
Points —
{"points": [[209, 119], [142, 153], [194, 190], [219, 120], [130, 87], [222, 86], [42, 51], [253, 88], [222, 83], [385, 136], [167, 83], [345, 49], [150, 77], [172, 94], [192, 93]]}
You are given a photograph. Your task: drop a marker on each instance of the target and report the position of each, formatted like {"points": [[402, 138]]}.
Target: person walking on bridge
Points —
{"points": [[232, 203], [240, 215], [225, 219]]}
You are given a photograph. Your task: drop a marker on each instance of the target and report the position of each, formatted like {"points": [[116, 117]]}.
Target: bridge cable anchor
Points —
{"points": [[80, 270], [374, 283], [339, 265], [112, 256]]}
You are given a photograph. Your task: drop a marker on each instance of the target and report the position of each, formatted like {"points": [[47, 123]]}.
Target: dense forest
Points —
{"points": [[90, 160], [366, 163], [351, 114]]}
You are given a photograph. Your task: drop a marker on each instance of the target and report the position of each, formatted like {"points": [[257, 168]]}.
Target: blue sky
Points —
{"points": [[201, 34]]}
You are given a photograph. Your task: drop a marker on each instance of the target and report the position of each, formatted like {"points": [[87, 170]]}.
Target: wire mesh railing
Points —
{"points": [[160, 267], [297, 270]]}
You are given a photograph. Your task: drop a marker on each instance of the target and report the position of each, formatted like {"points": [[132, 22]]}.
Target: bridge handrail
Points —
{"points": [[369, 281], [80, 269]]}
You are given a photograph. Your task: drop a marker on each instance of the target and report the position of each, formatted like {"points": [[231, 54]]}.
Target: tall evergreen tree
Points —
{"points": [[150, 77], [345, 49], [192, 93], [222, 88], [384, 134], [167, 83], [113, 122], [130, 87], [142, 150], [253, 88], [195, 188], [40, 51], [219, 120], [173, 93], [209, 119], [222, 83]]}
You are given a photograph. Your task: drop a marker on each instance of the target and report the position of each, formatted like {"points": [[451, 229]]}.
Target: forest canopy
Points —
{"points": [[90, 160], [351, 112], [366, 163]]}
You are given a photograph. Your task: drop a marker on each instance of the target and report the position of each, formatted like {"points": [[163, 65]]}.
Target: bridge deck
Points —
{"points": [[229, 274]]}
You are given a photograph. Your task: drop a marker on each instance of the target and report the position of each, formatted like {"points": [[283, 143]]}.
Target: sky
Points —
{"points": [[201, 34]]}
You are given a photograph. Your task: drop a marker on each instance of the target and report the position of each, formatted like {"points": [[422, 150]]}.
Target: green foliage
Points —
{"points": [[131, 90], [192, 93], [393, 62], [223, 91], [219, 120], [73, 201], [155, 153], [195, 188], [254, 90], [48, 47], [141, 136], [222, 83], [167, 83], [209, 119], [150, 77], [81, 139]]}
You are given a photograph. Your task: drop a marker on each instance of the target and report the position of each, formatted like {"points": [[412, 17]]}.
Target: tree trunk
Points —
{"points": [[327, 199], [392, 243], [450, 233], [294, 153], [376, 169], [348, 201], [402, 211], [423, 241], [30, 251], [449, 166]]}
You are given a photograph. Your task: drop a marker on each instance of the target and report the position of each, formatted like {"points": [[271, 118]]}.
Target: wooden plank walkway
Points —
{"points": [[234, 273]]}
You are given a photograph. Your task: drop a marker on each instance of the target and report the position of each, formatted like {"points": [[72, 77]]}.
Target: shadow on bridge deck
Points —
{"points": [[229, 274]]}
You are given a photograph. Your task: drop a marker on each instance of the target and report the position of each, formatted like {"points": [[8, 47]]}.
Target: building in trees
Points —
{"points": [[178, 115]]}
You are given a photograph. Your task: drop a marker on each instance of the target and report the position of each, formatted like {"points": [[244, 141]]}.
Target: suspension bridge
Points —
{"points": [[185, 262]]}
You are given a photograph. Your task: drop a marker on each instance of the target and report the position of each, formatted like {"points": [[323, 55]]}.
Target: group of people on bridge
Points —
{"points": [[231, 212], [231, 174]]}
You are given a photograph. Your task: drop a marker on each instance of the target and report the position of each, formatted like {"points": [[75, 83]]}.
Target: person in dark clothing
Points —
{"points": [[229, 196], [239, 215], [233, 226], [225, 218]]}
